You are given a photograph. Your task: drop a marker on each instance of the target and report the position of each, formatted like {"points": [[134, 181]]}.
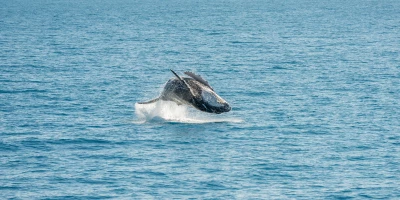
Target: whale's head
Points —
{"points": [[209, 101]]}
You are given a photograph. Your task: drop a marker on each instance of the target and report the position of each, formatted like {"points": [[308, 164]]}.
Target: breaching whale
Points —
{"points": [[193, 91]]}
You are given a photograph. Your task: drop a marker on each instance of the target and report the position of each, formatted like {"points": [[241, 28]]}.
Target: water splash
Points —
{"points": [[168, 111]]}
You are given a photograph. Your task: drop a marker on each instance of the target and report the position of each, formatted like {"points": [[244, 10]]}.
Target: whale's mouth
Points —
{"points": [[212, 103], [219, 110], [205, 107]]}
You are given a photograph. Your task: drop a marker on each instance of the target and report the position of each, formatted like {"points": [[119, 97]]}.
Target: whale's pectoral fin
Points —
{"points": [[177, 76], [184, 82], [151, 101], [199, 79]]}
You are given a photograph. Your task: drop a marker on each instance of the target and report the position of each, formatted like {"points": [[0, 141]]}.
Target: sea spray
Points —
{"points": [[169, 111], [166, 110]]}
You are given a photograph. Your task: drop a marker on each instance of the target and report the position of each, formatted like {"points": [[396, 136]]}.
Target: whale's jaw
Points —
{"points": [[211, 102]]}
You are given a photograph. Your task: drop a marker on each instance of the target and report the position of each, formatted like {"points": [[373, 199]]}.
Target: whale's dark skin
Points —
{"points": [[193, 91]]}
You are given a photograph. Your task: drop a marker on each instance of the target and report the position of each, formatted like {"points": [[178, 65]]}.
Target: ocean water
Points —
{"points": [[314, 88]]}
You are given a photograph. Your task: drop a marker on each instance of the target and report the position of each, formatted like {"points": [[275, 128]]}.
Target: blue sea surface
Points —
{"points": [[314, 88]]}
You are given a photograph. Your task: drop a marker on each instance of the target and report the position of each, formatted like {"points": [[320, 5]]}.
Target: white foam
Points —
{"points": [[171, 112]]}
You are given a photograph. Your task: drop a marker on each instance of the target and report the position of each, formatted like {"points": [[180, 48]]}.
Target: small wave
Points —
{"points": [[168, 111]]}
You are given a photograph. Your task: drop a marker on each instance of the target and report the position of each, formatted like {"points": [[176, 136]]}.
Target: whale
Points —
{"points": [[193, 91]]}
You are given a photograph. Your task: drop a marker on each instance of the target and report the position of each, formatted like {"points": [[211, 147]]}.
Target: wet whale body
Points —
{"points": [[193, 91]]}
